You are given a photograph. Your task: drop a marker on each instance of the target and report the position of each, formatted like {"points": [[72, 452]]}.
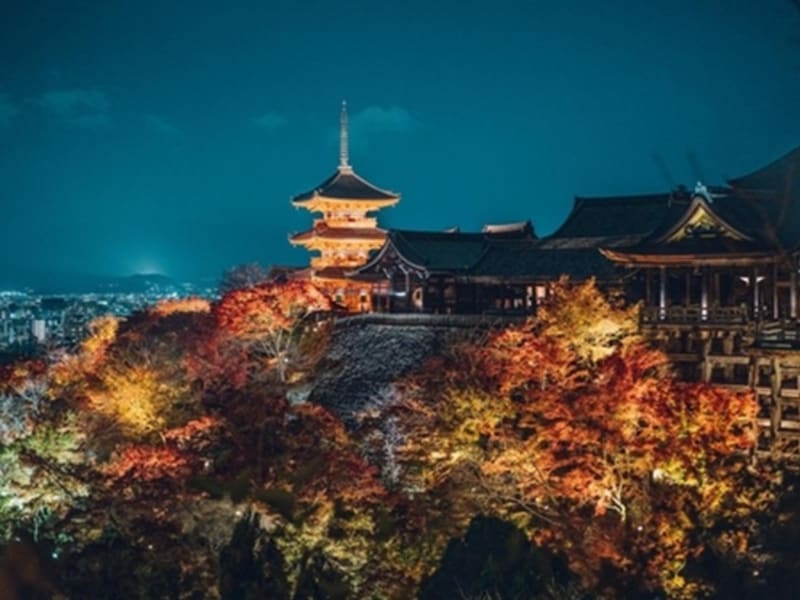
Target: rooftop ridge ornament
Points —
{"points": [[344, 152], [701, 190]]}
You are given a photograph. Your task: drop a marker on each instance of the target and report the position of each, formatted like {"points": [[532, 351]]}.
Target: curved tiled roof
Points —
{"points": [[520, 229], [480, 255], [770, 178], [617, 216], [698, 247], [528, 261], [345, 184], [773, 193], [737, 231], [438, 251]]}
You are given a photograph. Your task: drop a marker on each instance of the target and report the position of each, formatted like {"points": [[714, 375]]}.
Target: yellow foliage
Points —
{"points": [[582, 315], [102, 332], [72, 369], [165, 308], [136, 398], [351, 550]]}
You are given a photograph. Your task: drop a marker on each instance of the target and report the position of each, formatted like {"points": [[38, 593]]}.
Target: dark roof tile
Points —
{"points": [[617, 216], [345, 184], [771, 177], [529, 262], [439, 251]]}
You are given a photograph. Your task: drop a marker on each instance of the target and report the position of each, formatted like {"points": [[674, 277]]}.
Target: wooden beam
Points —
{"points": [[793, 289], [687, 295], [775, 396], [704, 294], [775, 311], [754, 281]]}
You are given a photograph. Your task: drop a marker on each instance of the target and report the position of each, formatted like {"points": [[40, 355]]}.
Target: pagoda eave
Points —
{"points": [[327, 204], [369, 236]]}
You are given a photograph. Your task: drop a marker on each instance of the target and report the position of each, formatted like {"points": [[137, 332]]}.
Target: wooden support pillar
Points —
{"points": [[687, 293], [775, 396], [755, 293], [775, 312], [662, 293], [648, 294], [752, 372], [715, 290], [704, 295], [707, 365], [792, 289]]}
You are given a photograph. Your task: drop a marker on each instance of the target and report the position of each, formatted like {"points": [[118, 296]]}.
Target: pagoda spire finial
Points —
{"points": [[344, 152]]}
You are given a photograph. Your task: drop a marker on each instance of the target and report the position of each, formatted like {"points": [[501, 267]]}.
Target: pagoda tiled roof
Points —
{"points": [[345, 184]]}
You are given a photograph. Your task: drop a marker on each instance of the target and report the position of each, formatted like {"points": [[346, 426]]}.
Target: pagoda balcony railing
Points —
{"points": [[724, 315]]}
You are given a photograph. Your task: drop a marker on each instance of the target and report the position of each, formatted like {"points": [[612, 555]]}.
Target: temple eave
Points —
{"points": [[633, 259]]}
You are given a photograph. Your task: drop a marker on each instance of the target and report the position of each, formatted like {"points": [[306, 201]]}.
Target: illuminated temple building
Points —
{"points": [[346, 232], [715, 270]]}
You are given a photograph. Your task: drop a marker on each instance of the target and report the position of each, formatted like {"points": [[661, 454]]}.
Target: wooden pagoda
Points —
{"points": [[347, 230]]}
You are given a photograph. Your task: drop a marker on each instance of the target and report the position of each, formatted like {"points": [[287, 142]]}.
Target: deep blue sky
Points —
{"points": [[157, 136]]}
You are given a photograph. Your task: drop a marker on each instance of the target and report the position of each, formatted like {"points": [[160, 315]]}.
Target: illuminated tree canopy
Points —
{"points": [[572, 428], [168, 439]]}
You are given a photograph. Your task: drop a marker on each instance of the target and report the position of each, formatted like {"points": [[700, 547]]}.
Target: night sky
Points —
{"points": [[141, 137]]}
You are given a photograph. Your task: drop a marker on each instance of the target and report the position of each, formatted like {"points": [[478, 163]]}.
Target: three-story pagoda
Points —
{"points": [[347, 230]]}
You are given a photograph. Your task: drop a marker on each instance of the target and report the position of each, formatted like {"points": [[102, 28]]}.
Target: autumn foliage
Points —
{"points": [[268, 322], [168, 440], [573, 428]]}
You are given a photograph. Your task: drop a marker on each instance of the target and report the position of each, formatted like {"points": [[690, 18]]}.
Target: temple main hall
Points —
{"points": [[714, 269]]}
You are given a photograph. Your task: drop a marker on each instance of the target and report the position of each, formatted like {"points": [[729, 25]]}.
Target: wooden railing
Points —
{"points": [[654, 315], [779, 333]]}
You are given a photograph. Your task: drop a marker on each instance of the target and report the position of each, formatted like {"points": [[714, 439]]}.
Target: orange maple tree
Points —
{"points": [[270, 320], [572, 427]]}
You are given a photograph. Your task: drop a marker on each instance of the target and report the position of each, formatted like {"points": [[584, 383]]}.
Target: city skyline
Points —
{"points": [[142, 138]]}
